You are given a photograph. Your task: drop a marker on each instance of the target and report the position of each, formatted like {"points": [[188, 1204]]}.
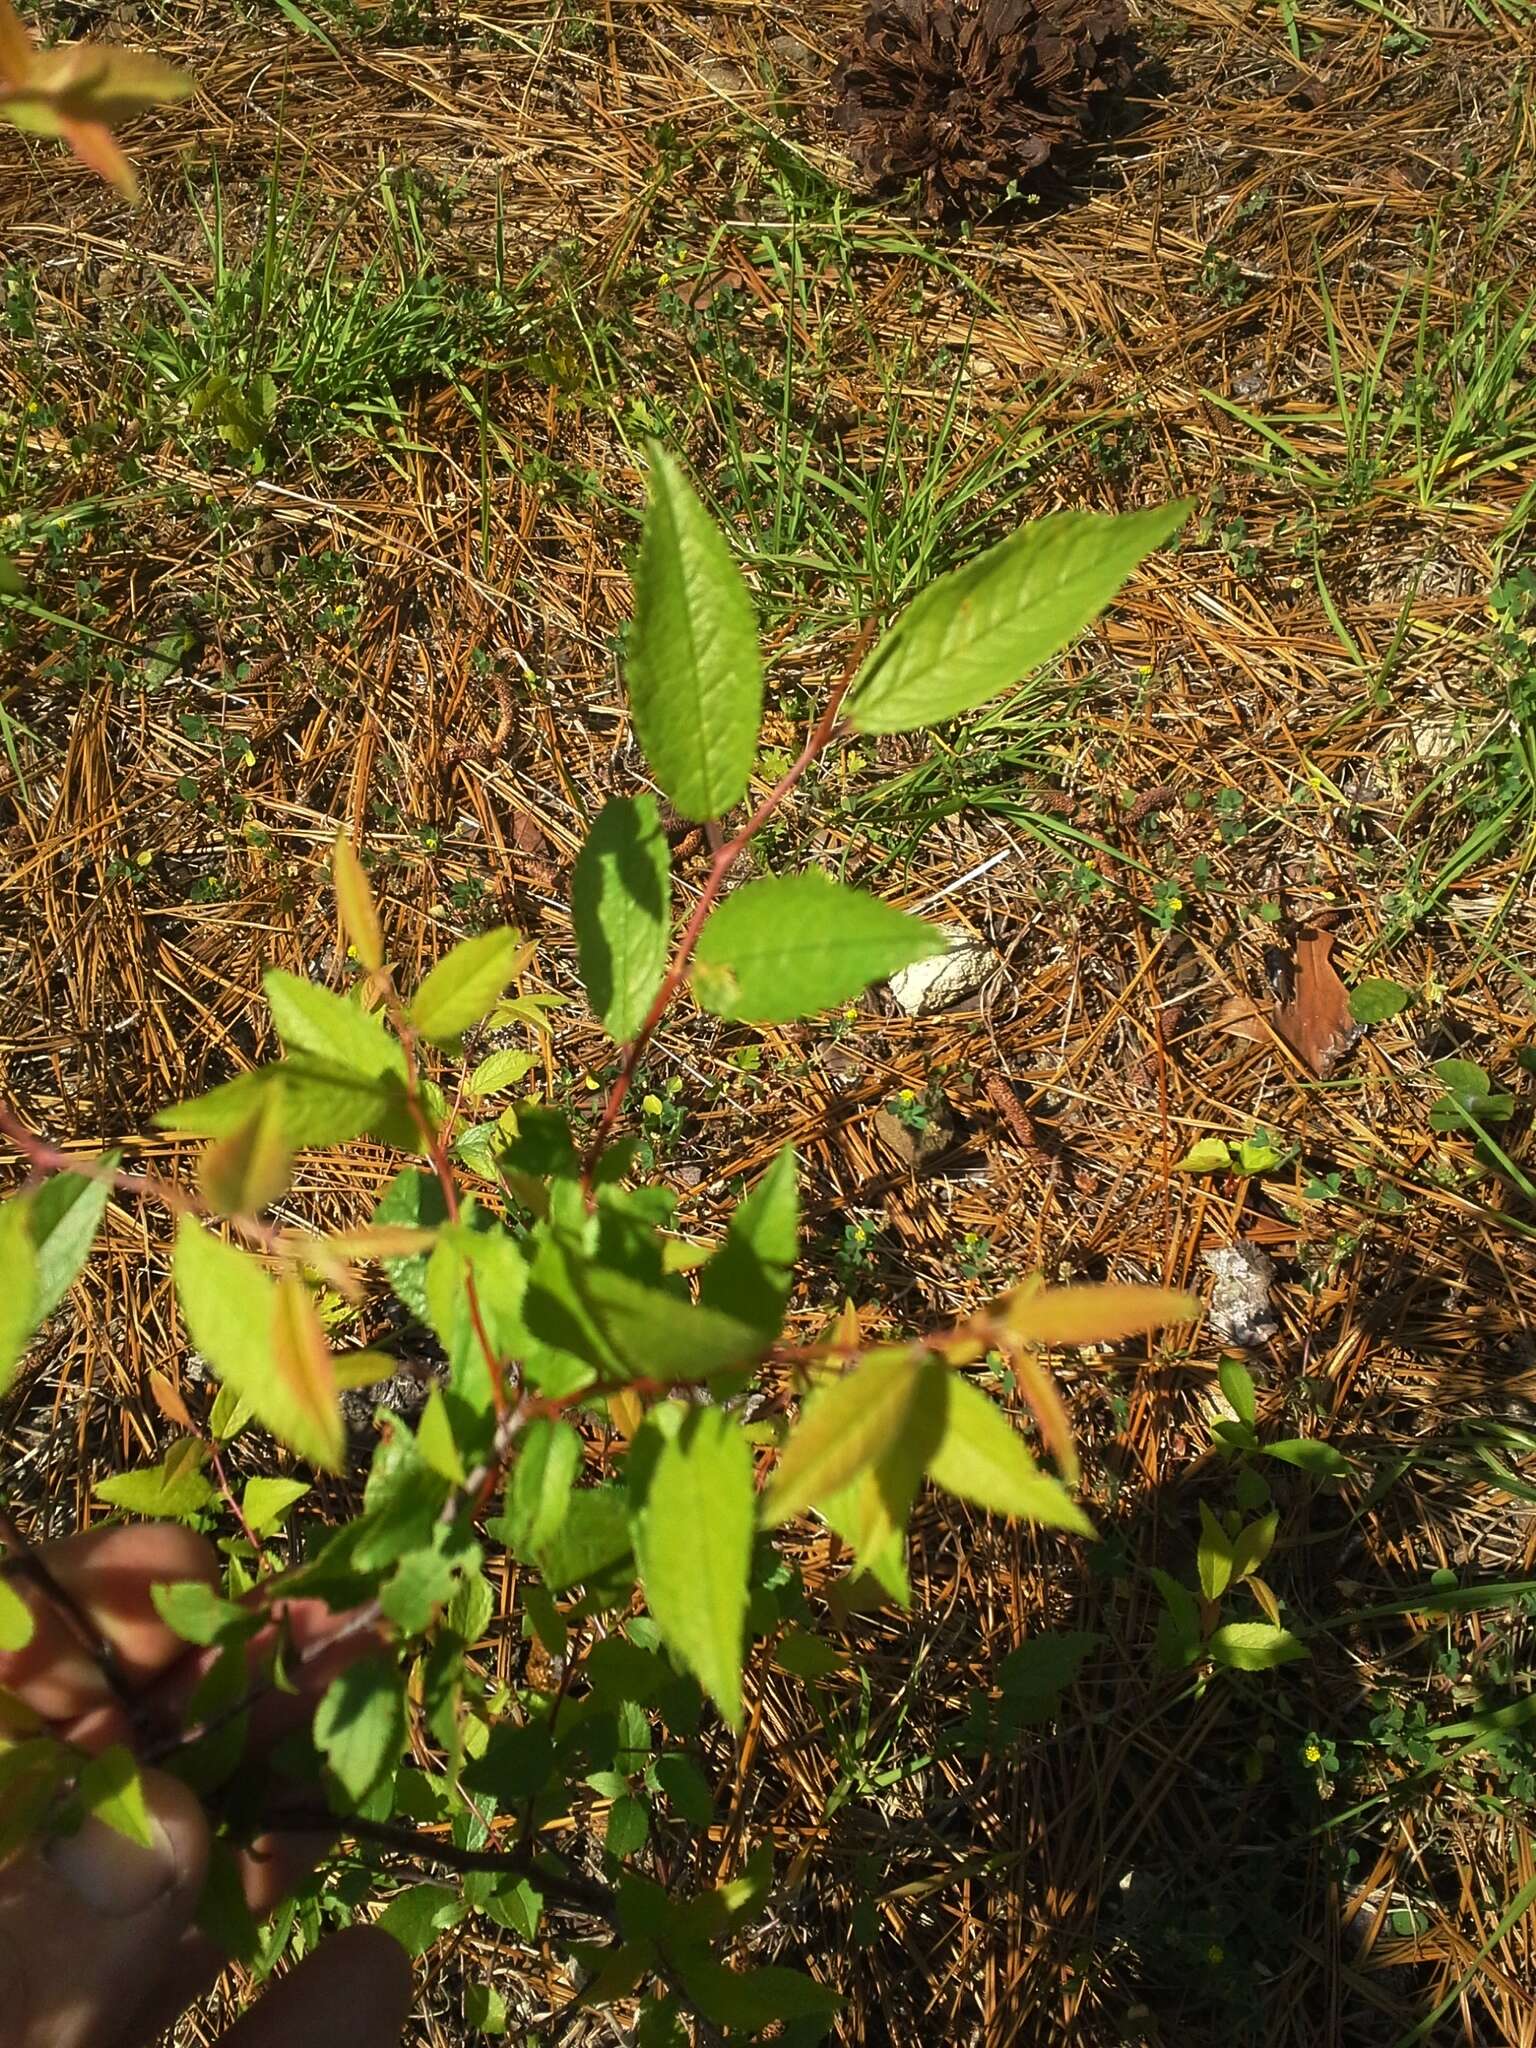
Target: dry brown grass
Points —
{"points": [[1041, 1894]]}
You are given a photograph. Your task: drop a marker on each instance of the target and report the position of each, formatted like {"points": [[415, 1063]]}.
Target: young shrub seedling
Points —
{"points": [[588, 1417]]}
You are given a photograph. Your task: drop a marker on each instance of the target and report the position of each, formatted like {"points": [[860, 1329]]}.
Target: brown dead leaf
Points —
{"points": [[1316, 1023], [1241, 1016]]}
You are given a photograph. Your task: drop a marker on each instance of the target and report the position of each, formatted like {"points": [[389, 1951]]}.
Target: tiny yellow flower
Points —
{"points": [[589, 1081], [909, 1095], [1215, 1954], [1312, 1753], [850, 1011], [1175, 902], [651, 1104]]}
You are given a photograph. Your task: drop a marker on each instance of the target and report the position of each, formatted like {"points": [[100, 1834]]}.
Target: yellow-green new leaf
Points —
{"points": [[1052, 1317], [262, 1340], [16, 1623], [18, 1285], [304, 1408], [355, 904], [464, 986], [846, 1428], [110, 1790], [250, 1169], [692, 1526], [982, 1458]]}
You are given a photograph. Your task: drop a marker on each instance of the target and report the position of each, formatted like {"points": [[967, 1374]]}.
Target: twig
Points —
{"points": [[584, 1893], [725, 859]]}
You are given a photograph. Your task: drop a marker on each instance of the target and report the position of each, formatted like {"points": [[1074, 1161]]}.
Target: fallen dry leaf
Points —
{"points": [[1241, 1016], [1316, 1023]]}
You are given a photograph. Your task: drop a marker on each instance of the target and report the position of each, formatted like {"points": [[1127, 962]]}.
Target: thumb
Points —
{"points": [[88, 1922]]}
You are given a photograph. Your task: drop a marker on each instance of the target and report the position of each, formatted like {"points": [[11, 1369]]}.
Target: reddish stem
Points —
{"points": [[725, 859]]}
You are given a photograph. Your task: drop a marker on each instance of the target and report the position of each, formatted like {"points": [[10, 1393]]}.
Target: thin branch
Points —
{"points": [[567, 1890], [725, 859]]}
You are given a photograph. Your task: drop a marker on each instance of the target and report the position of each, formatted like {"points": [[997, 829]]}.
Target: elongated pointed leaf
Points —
{"points": [[979, 629], [693, 668], [791, 945], [110, 1790], [464, 986], [846, 1429], [693, 1540], [355, 904], [751, 1275], [66, 1213], [244, 1173], [621, 912], [262, 1340], [982, 1458], [18, 1285], [1049, 1317]]}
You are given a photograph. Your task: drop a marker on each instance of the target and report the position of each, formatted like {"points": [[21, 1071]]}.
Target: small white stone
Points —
{"points": [[947, 978]]}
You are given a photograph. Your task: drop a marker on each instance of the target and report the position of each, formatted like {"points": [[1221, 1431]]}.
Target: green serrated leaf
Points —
{"points": [[466, 984], [692, 1512], [621, 912], [539, 1489], [788, 946], [692, 664], [416, 1918], [629, 1822], [196, 1613], [981, 1457], [1255, 1646], [500, 1070], [360, 1724], [168, 1493], [976, 631]]}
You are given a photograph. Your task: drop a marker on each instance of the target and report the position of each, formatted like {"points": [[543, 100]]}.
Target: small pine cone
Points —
{"points": [[972, 96]]}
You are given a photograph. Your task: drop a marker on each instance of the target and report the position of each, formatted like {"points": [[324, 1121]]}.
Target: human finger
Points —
{"points": [[88, 1919], [108, 1574], [356, 1988]]}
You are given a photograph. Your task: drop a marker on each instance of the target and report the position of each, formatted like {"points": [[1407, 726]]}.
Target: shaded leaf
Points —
{"points": [[360, 1724], [621, 912], [110, 1790], [65, 1215], [416, 1918], [1308, 1454], [693, 1506], [750, 1276]]}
